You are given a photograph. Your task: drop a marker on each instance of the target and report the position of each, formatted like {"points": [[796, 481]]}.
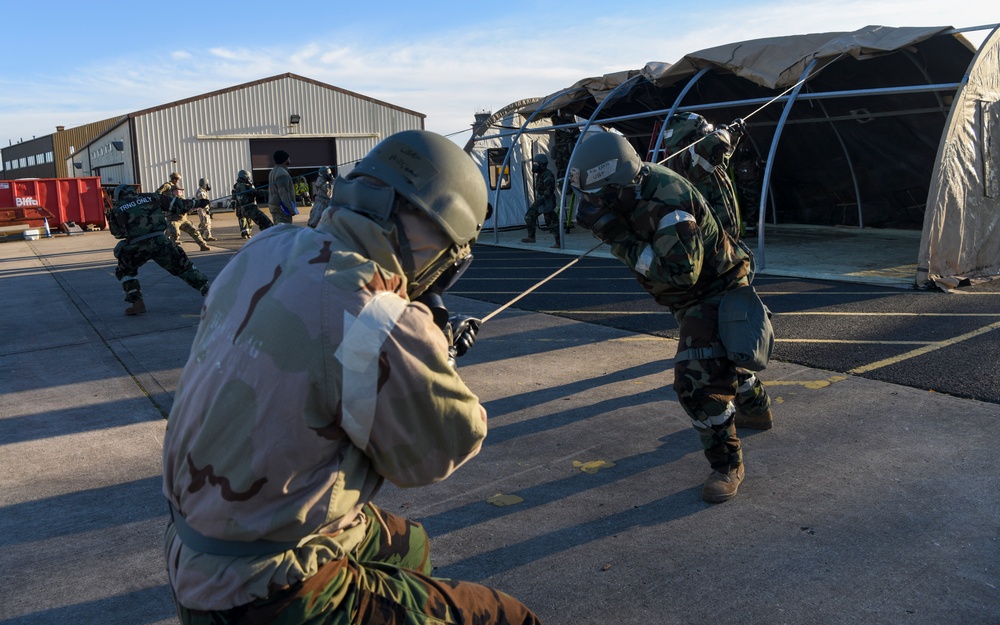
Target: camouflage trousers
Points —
{"points": [[204, 223], [250, 214], [164, 253], [712, 390], [549, 216], [175, 227], [279, 216], [385, 581]]}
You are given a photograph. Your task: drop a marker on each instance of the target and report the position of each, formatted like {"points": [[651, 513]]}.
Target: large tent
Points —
{"points": [[877, 128]]}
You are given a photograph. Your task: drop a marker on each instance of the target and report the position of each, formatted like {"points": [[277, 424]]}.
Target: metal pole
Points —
{"points": [[850, 165], [819, 95], [673, 108], [583, 133], [506, 159], [770, 163]]}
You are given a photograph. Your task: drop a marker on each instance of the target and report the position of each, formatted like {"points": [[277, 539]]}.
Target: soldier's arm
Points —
{"points": [[427, 422], [116, 230], [674, 254]]}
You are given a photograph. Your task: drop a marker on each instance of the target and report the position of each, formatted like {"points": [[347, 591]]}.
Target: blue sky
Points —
{"points": [[72, 63]]}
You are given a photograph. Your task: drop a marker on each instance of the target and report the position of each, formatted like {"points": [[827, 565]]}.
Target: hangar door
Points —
{"points": [[307, 156]]}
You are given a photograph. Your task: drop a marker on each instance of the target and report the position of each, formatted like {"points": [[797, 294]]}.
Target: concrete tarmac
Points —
{"points": [[868, 503]]}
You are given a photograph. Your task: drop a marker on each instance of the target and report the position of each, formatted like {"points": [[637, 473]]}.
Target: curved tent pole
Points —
{"points": [[495, 117], [506, 158], [583, 133], [770, 161], [850, 163], [673, 109], [927, 77]]}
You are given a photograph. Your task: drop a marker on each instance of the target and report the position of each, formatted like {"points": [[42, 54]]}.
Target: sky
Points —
{"points": [[73, 63]]}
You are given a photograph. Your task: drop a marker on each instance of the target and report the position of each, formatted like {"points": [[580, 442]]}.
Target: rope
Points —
{"points": [[511, 302]]}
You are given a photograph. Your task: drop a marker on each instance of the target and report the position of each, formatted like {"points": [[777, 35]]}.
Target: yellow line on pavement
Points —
{"points": [[810, 384], [924, 350]]}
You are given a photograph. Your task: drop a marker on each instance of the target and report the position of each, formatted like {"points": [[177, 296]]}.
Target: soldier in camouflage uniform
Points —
{"points": [[663, 229], [204, 212], [317, 373], [701, 154], [247, 211], [705, 164], [177, 219], [748, 170], [171, 187], [545, 200], [323, 188], [138, 219]]}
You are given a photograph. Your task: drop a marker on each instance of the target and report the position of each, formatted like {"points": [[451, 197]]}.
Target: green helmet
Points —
{"points": [[601, 159], [243, 175], [435, 175], [540, 160], [123, 192]]}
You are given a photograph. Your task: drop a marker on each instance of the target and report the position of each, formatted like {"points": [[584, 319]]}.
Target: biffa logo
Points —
{"points": [[25, 201]]}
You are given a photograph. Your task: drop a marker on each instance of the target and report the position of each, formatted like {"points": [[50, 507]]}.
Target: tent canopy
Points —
{"points": [[859, 143]]}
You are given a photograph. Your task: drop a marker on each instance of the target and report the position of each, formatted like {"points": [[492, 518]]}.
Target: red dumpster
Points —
{"points": [[31, 200]]}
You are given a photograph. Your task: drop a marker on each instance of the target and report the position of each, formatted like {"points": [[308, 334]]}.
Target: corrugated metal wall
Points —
{"points": [[76, 137], [209, 136]]}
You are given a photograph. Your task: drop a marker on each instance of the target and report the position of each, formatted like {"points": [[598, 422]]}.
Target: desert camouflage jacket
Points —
{"points": [[146, 214], [676, 248], [311, 379]]}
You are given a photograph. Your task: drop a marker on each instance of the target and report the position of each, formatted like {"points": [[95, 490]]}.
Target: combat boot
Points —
{"points": [[137, 308], [721, 486], [754, 422], [528, 240], [204, 246]]}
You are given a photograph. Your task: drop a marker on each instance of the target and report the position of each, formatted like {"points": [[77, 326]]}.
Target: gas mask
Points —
{"points": [[430, 259]]}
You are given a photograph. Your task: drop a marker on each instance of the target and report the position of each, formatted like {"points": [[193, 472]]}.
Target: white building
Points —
{"points": [[216, 134]]}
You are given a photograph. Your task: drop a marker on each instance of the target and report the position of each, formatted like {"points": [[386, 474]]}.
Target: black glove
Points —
{"points": [[463, 332], [606, 225], [737, 128], [202, 203]]}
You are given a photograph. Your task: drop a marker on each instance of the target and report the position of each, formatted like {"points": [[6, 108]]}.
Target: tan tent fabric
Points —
{"points": [[905, 134], [961, 234]]}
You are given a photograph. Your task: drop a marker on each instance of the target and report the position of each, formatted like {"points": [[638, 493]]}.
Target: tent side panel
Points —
{"points": [[961, 233]]}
